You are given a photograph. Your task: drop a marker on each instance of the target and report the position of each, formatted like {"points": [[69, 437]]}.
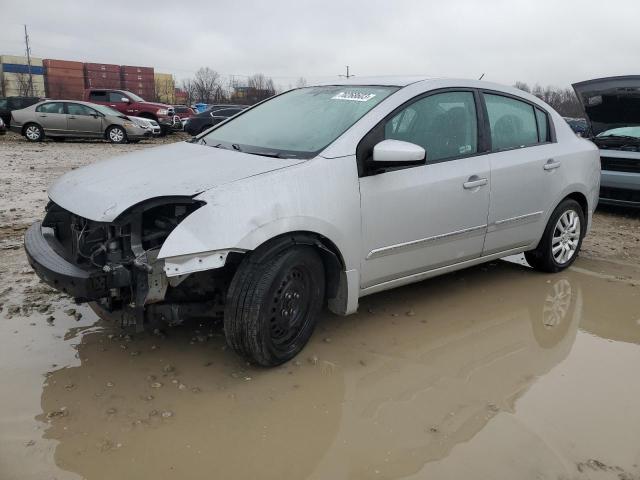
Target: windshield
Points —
{"points": [[106, 110], [624, 132], [299, 123], [134, 97]]}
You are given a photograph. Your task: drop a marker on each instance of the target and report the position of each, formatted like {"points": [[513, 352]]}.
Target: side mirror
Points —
{"points": [[396, 153], [124, 99]]}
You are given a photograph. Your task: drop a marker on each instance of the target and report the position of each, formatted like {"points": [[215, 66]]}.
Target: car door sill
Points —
{"points": [[417, 277]]}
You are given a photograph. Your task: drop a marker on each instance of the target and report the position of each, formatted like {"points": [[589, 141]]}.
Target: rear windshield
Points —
{"points": [[299, 123]]}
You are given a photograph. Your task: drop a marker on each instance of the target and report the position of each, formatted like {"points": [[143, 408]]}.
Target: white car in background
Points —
{"points": [[319, 196], [148, 124]]}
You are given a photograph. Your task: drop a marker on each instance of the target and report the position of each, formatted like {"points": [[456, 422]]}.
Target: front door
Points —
{"points": [[424, 217], [83, 121], [52, 117]]}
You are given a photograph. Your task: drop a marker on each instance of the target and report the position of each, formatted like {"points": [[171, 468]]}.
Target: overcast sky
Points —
{"points": [[545, 41]]}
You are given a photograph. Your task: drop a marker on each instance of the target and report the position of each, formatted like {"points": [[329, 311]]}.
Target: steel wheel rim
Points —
{"points": [[116, 134], [33, 133], [557, 304], [290, 307], [566, 237]]}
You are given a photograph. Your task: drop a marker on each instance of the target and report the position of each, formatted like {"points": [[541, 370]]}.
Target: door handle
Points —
{"points": [[474, 181], [112, 105], [551, 165], [42, 115], [71, 116]]}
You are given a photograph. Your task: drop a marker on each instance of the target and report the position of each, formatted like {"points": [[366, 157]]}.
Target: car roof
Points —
{"points": [[385, 80]]}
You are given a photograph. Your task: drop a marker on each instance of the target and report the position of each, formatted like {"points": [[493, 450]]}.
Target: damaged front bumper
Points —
{"points": [[82, 283]]}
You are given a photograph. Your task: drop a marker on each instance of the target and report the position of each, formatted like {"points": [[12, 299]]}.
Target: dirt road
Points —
{"points": [[493, 372]]}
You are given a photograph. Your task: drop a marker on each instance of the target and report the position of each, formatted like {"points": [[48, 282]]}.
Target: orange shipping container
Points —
{"points": [[64, 72], [48, 63], [138, 77], [102, 67], [130, 69], [102, 75]]}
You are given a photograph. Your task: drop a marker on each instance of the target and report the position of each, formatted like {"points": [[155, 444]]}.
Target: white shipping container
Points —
{"points": [[19, 60], [11, 84]]}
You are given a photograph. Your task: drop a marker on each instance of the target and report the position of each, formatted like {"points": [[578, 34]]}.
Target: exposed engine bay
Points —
{"points": [[128, 281]]}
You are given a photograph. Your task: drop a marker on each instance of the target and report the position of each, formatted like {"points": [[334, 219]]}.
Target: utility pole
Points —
{"points": [[26, 42], [347, 75]]}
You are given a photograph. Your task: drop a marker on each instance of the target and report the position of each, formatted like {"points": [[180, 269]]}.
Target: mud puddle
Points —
{"points": [[495, 372]]}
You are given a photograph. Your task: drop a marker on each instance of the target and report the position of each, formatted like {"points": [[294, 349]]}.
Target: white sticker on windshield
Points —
{"points": [[354, 96]]}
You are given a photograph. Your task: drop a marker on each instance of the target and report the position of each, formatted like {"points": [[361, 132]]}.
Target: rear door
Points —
{"points": [[526, 176], [83, 120], [52, 117], [425, 217]]}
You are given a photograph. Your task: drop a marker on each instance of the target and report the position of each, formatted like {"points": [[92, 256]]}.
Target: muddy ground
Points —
{"points": [[494, 372]]}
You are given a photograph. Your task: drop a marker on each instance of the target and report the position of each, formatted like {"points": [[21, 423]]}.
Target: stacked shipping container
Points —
{"points": [[18, 79], [139, 80], [64, 79], [102, 75]]}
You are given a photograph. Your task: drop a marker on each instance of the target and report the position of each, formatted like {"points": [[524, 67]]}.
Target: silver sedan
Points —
{"points": [[60, 119]]}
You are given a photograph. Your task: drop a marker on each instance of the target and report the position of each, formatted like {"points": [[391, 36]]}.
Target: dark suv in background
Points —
{"points": [[9, 104], [210, 117]]}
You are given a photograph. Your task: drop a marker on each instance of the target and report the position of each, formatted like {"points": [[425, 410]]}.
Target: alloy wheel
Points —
{"points": [[566, 237], [32, 132], [116, 135]]}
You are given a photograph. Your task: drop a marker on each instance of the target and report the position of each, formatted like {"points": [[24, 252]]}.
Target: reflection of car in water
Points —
{"points": [[391, 401], [612, 106]]}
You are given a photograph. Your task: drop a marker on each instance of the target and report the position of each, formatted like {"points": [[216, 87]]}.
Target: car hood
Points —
{"points": [[104, 190], [156, 105], [611, 102]]}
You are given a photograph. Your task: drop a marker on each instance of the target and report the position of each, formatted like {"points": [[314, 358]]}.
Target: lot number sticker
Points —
{"points": [[354, 96]]}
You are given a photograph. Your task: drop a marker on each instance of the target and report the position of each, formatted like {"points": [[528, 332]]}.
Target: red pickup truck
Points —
{"points": [[132, 105]]}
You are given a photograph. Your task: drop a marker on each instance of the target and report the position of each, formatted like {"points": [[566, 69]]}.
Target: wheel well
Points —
{"points": [[329, 253], [581, 199], [24, 127]]}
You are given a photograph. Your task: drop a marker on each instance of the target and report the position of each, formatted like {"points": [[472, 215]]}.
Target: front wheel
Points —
{"points": [[272, 306], [33, 132], [561, 240], [116, 134]]}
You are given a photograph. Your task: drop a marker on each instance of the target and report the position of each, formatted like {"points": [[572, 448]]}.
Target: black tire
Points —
{"points": [[164, 131], [272, 306], [543, 258], [116, 134], [33, 132]]}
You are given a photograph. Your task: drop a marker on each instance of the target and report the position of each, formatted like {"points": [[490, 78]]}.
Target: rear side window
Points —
{"points": [[51, 107], [444, 124], [543, 126], [98, 96], [513, 123]]}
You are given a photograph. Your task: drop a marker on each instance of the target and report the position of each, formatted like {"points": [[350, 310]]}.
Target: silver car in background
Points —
{"points": [[612, 107], [317, 197], [60, 119]]}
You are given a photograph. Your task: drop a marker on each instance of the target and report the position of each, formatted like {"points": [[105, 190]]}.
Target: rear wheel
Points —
{"points": [[561, 240], [33, 132], [272, 306], [116, 134]]}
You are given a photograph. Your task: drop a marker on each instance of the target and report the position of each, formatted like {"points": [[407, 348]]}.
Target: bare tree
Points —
{"points": [[189, 88], [301, 82], [208, 87], [563, 100]]}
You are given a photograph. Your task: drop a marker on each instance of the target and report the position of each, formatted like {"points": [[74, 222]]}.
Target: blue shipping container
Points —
{"points": [[16, 68]]}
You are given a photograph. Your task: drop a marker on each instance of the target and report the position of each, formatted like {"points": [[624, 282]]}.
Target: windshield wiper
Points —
{"points": [[625, 138], [236, 147]]}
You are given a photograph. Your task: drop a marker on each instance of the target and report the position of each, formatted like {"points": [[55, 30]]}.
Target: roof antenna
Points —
{"points": [[481, 77]]}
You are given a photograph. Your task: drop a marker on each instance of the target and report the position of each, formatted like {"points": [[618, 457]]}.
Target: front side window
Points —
{"points": [[51, 107], [299, 123], [444, 124], [513, 123], [77, 109], [116, 97]]}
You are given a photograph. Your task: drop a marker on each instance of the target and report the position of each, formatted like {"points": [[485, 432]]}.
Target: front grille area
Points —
{"points": [[620, 164], [620, 194]]}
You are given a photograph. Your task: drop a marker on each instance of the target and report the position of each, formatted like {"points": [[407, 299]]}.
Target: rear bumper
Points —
{"points": [[56, 271]]}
